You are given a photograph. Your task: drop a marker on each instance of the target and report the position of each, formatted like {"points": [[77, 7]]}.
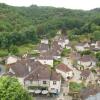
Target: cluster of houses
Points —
{"points": [[39, 75]]}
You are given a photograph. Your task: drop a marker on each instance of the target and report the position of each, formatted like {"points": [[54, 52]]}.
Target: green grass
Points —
{"points": [[76, 87], [26, 48], [21, 50], [3, 52]]}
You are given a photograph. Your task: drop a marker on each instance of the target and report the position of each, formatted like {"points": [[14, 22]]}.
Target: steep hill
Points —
{"points": [[19, 25]]}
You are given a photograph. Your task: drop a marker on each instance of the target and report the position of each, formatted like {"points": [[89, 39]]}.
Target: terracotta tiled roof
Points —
{"points": [[86, 58], [85, 73], [43, 74], [55, 46], [21, 68], [39, 74], [55, 76], [63, 68]]}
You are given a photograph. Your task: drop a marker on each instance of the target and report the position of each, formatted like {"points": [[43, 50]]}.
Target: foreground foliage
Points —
{"points": [[10, 89]]}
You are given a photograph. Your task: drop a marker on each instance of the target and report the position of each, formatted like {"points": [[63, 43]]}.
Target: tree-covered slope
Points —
{"points": [[20, 25]]}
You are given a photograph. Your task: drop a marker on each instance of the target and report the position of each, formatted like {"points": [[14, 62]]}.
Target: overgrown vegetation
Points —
{"points": [[11, 89], [76, 87]]}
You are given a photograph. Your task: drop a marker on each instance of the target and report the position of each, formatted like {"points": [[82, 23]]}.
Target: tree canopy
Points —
{"points": [[20, 25], [10, 89]]}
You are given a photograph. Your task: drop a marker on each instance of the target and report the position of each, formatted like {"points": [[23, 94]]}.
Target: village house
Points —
{"points": [[11, 60], [45, 58], [45, 41], [97, 45], [98, 76], [65, 71], [87, 77], [42, 47], [86, 61], [34, 74], [80, 47], [56, 47], [44, 78], [63, 41], [55, 54], [74, 56]]}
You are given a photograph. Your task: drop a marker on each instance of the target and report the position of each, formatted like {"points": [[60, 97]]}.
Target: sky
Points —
{"points": [[72, 4]]}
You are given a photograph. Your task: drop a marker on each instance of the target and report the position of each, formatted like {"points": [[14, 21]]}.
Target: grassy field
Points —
{"points": [[21, 50], [26, 48]]}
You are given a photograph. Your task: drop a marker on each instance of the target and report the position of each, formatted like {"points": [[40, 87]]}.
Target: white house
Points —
{"points": [[45, 59], [63, 41], [65, 71], [11, 60], [80, 47], [45, 41], [42, 47], [44, 78], [87, 61], [86, 46], [87, 76], [97, 45]]}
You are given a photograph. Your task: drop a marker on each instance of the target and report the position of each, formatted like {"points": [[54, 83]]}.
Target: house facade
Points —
{"points": [[86, 61], [45, 41], [65, 71], [87, 77], [45, 59], [63, 41], [11, 60]]}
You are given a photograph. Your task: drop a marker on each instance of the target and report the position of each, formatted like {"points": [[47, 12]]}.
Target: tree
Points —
{"points": [[96, 35], [65, 52], [98, 56], [13, 50], [10, 89], [87, 52]]}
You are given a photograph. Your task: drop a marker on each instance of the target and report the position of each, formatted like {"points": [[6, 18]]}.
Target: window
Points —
{"points": [[44, 82], [54, 82]]}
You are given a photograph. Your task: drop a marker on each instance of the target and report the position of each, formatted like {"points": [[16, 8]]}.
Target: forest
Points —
{"points": [[21, 25]]}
